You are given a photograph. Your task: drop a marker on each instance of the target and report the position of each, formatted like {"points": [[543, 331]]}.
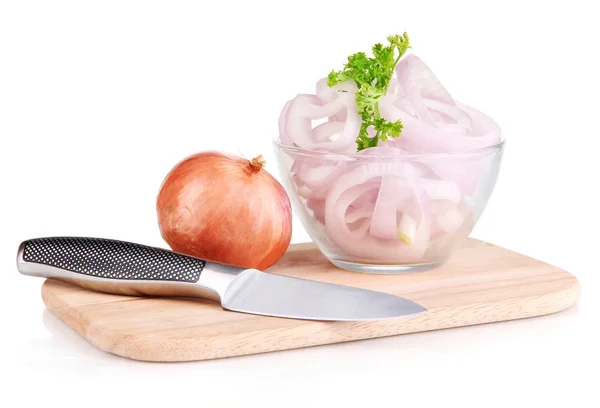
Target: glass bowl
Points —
{"points": [[384, 210]]}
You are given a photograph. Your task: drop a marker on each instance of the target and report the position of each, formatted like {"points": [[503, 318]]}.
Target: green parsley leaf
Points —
{"points": [[372, 76], [366, 98]]}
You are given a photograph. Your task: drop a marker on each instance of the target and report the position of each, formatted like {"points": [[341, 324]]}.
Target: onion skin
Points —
{"points": [[225, 208]]}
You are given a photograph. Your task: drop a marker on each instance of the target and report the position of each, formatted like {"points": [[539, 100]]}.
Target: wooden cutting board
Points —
{"points": [[481, 283]]}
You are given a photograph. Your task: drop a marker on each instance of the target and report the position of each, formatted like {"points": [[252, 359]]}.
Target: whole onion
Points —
{"points": [[225, 208]]}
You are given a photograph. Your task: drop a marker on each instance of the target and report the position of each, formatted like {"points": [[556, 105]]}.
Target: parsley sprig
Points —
{"points": [[372, 76]]}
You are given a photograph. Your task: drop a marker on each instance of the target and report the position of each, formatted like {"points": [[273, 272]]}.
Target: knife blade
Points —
{"points": [[127, 268]]}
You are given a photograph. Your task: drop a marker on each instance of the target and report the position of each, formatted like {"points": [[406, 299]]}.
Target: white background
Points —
{"points": [[98, 100]]}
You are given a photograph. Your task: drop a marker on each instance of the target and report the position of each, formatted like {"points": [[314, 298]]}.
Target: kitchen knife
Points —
{"points": [[137, 270]]}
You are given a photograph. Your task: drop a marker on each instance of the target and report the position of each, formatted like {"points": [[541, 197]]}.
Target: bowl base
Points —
{"points": [[384, 269]]}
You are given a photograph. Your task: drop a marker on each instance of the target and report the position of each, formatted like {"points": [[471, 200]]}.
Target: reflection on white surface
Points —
{"points": [[64, 346], [517, 357]]}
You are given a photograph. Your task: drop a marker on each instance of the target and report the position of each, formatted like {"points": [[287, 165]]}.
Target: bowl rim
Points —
{"points": [[360, 156]]}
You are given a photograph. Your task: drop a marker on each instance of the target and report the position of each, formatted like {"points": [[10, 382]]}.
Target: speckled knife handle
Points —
{"points": [[117, 266]]}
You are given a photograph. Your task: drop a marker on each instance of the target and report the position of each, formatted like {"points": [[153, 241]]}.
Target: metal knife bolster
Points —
{"points": [[124, 268]]}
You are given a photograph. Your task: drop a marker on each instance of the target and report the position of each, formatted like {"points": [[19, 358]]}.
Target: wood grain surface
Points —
{"points": [[481, 283]]}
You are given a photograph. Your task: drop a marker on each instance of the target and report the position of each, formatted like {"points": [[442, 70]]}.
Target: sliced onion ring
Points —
{"points": [[344, 192]]}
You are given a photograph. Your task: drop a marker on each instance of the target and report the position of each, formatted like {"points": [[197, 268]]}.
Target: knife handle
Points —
{"points": [[120, 267]]}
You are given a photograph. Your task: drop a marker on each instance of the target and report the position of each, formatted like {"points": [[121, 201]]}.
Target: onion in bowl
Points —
{"points": [[395, 172]]}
